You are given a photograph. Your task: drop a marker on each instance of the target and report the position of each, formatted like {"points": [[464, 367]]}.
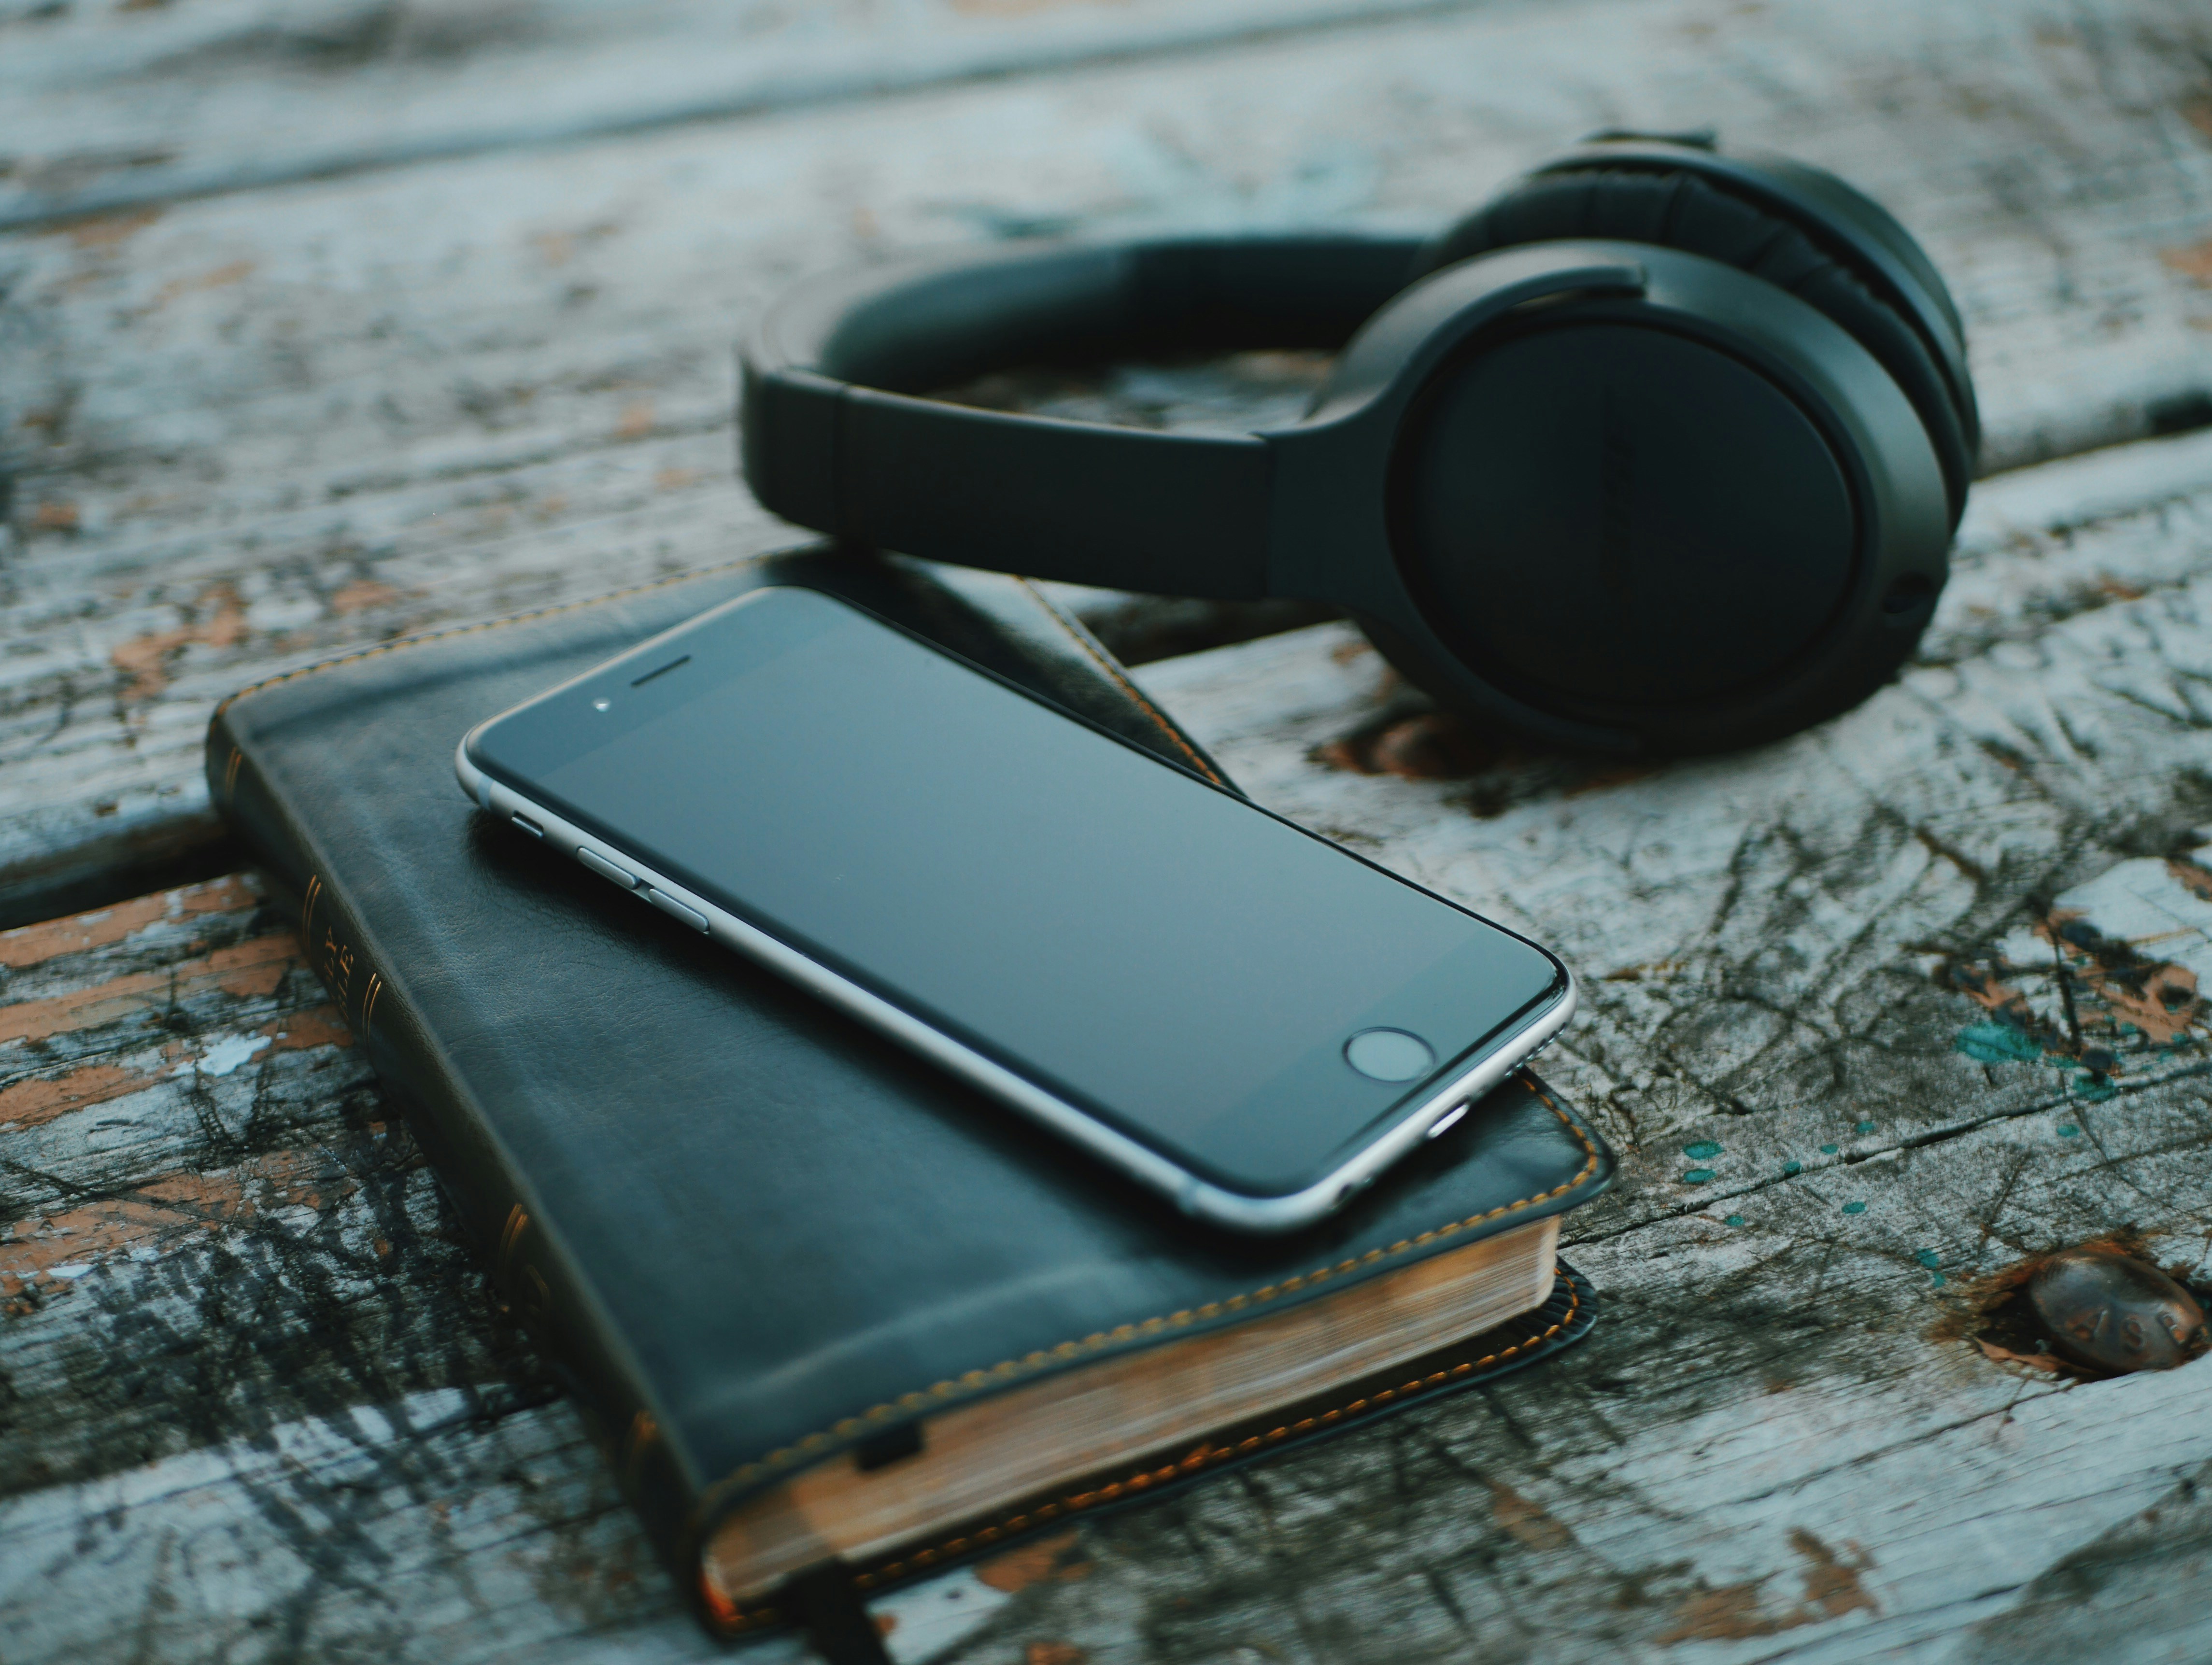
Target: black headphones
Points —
{"points": [[1659, 451]]}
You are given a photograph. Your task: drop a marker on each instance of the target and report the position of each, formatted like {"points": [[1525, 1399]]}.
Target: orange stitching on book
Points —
{"points": [[383, 648], [1084, 639], [970, 1380]]}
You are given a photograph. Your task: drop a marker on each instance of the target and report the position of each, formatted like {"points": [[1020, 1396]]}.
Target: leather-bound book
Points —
{"points": [[840, 1320]]}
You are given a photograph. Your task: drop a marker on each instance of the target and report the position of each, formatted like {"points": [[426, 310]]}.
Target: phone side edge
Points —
{"points": [[475, 785]]}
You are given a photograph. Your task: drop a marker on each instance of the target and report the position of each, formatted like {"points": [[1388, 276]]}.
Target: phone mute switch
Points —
{"points": [[675, 909], [1450, 1120]]}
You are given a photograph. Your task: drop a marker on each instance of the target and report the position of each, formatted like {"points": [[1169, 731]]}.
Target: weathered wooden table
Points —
{"points": [[322, 324]]}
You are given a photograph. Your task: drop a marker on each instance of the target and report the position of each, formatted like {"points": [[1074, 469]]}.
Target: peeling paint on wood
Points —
{"points": [[1874, 1014], [251, 431]]}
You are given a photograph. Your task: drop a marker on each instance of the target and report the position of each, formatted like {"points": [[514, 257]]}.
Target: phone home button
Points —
{"points": [[1389, 1054]]}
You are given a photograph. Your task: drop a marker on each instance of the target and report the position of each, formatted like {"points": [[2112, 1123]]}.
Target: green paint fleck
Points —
{"points": [[1702, 1149], [1854, 1208], [1696, 1175], [1789, 1168], [1830, 1150], [1935, 1280], [1928, 1258], [1865, 1126], [2096, 1090], [2069, 1132], [1735, 1220], [1996, 1044]]}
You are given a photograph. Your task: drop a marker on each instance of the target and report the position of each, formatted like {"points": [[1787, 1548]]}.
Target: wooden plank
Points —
{"points": [[1778, 1444], [116, 108], [251, 1371], [246, 432], [259, 429]]}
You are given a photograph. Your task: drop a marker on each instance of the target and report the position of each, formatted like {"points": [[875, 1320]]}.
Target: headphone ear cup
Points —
{"points": [[1681, 210]]}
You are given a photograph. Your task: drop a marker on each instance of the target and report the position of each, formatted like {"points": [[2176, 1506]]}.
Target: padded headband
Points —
{"points": [[835, 438]]}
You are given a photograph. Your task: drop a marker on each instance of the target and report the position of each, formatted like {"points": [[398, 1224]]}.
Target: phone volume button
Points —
{"points": [[675, 909], [606, 869]]}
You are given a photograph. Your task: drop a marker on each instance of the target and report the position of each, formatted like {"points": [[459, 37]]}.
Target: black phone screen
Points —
{"points": [[1148, 946]]}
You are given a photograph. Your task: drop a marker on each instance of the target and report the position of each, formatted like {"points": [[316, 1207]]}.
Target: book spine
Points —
{"points": [[531, 1269]]}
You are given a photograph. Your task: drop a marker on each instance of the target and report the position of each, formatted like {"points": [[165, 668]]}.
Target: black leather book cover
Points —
{"points": [[754, 1235]]}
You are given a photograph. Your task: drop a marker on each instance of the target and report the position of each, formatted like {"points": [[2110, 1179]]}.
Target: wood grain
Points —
{"points": [[109, 109], [245, 432], [1872, 1014], [1775, 1445]]}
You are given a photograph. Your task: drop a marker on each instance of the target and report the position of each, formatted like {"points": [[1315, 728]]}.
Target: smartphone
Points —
{"points": [[1227, 1008]]}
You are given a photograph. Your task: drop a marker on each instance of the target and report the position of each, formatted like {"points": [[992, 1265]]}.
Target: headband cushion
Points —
{"points": [[1680, 210]]}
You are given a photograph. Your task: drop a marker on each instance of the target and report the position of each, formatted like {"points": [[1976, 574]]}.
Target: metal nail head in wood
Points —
{"points": [[2112, 1309]]}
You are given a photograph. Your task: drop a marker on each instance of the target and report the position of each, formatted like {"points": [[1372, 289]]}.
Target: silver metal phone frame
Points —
{"points": [[1193, 1195]]}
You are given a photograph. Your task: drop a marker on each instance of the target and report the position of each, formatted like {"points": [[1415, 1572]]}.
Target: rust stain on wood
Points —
{"points": [[2161, 1000], [109, 230], [301, 1031], [34, 944], [1985, 989], [1734, 1612], [361, 595], [221, 277], [1832, 1584], [145, 659], [2193, 879], [27, 1104], [251, 969], [1997, 1354], [1726, 1614], [276, 1179], [1032, 1564], [162, 1207], [2192, 260], [2109, 1002], [82, 1236], [1528, 1524]]}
